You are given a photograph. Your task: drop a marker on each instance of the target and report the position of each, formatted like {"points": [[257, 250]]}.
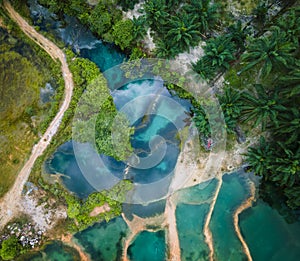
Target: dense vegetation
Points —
{"points": [[97, 114], [10, 248], [24, 69], [261, 91], [104, 19], [260, 60]]}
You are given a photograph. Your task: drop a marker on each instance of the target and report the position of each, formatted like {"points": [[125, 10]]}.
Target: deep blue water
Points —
{"points": [[267, 233]]}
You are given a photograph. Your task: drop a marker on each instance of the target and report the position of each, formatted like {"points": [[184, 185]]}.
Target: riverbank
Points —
{"points": [[10, 203]]}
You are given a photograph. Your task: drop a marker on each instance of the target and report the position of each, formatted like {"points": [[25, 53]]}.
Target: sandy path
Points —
{"points": [[206, 230], [246, 204], [172, 232], [9, 204]]}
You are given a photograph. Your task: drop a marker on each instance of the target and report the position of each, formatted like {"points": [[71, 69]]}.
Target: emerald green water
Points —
{"points": [[198, 194], [55, 251], [233, 192], [103, 241], [191, 212], [190, 222], [148, 246], [268, 234]]}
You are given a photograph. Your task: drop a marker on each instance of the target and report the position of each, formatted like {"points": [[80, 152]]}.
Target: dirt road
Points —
{"points": [[9, 205]]}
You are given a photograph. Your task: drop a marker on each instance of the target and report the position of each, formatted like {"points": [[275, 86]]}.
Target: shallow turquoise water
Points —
{"points": [[55, 251], [191, 212], [268, 235], [190, 222], [148, 246], [103, 241], [233, 192], [198, 194]]}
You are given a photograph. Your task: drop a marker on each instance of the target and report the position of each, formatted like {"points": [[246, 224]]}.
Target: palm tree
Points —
{"points": [[204, 68], [260, 15], [220, 51], [238, 35], [293, 195], [139, 27], [183, 32], [262, 107], [156, 13], [289, 23], [290, 83], [260, 158], [231, 106], [270, 52], [286, 166], [163, 50], [288, 129], [204, 12]]}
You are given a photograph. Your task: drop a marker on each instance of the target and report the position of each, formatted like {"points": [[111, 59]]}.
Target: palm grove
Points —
{"points": [[259, 58]]}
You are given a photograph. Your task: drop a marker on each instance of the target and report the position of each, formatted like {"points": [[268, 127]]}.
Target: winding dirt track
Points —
{"points": [[9, 205]]}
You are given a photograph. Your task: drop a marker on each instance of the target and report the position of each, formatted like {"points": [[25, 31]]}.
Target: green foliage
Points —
{"points": [[183, 32], [260, 158], [293, 197], [10, 248], [127, 4], [201, 121], [237, 33], [123, 33], [156, 13], [98, 115], [18, 73], [262, 108], [139, 27], [290, 24], [204, 12], [80, 211], [84, 71], [219, 52], [271, 53], [230, 101]]}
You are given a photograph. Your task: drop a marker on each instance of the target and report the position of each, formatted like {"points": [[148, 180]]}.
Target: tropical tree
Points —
{"points": [[123, 33], [288, 128], [230, 101], [204, 68], [183, 32], [260, 158], [164, 50], [285, 169], [293, 195], [219, 52], [290, 83], [237, 33], [139, 27], [292, 27], [270, 53], [261, 107], [156, 13], [205, 13], [260, 15]]}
